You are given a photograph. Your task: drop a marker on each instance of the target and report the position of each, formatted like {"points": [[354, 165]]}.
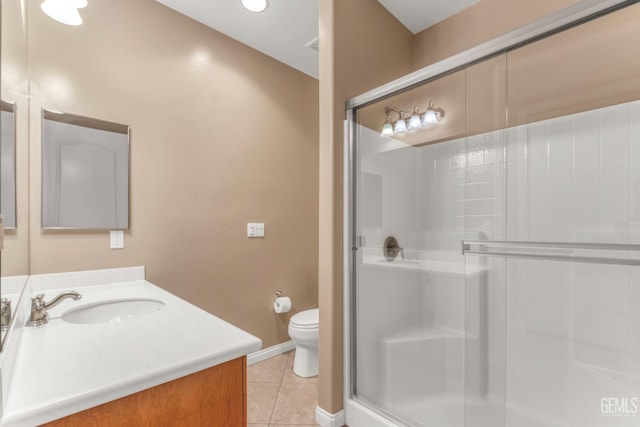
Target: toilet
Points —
{"points": [[304, 331]]}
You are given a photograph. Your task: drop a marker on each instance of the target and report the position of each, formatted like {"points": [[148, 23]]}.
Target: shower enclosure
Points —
{"points": [[493, 238]]}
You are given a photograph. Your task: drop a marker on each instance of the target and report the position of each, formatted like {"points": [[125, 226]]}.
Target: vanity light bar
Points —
{"points": [[410, 121]]}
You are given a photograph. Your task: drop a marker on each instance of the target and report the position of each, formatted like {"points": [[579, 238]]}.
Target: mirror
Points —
{"points": [[14, 201], [85, 173], [8, 167]]}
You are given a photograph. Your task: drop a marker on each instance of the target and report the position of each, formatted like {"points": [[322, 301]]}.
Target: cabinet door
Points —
{"points": [[214, 397]]}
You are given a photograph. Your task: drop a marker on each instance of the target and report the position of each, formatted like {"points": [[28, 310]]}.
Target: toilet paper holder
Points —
{"points": [[281, 303]]}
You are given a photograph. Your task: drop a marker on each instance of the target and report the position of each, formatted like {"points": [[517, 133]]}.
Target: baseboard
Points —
{"points": [[268, 353], [326, 419]]}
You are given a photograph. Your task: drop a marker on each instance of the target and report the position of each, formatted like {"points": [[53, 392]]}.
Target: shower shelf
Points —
{"points": [[424, 265], [421, 333], [556, 251]]}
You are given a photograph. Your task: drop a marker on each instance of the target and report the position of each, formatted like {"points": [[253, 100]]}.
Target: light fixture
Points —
{"points": [[432, 115], [255, 5], [387, 129], [64, 11], [401, 124], [415, 120]]}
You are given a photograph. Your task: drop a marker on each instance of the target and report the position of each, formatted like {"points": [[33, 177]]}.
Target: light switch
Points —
{"points": [[117, 239], [255, 229]]}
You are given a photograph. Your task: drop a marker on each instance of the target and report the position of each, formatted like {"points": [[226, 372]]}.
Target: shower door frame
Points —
{"points": [[357, 411]]}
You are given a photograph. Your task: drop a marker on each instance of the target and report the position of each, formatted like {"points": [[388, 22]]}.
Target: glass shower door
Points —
{"points": [[569, 342], [535, 166], [410, 275], [571, 252]]}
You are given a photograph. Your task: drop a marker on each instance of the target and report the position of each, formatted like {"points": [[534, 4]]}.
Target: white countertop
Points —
{"points": [[63, 368]]}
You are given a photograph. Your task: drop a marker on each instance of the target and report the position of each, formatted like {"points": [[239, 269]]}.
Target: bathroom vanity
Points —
{"points": [[212, 397], [126, 353]]}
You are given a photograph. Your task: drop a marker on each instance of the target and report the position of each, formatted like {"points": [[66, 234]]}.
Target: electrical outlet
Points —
{"points": [[117, 239], [255, 229]]}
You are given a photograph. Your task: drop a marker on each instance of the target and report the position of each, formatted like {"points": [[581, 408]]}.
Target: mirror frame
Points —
{"points": [[10, 107]]}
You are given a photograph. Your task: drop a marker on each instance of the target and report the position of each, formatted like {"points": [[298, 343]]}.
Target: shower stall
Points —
{"points": [[493, 233]]}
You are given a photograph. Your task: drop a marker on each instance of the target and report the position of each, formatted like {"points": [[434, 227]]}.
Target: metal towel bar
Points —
{"points": [[520, 245]]}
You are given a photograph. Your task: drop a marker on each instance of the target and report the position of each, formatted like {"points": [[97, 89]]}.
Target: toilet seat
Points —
{"points": [[308, 319]]}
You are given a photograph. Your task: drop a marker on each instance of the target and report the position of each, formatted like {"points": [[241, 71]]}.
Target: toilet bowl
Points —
{"points": [[304, 331]]}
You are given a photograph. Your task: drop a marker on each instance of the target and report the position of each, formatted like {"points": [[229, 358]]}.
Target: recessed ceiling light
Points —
{"points": [[64, 11], [255, 5]]}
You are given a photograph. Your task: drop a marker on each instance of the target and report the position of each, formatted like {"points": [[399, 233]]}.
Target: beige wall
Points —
{"points": [[14, 89], [558, 76], [362, 46], [221, 135], [482, 22]]}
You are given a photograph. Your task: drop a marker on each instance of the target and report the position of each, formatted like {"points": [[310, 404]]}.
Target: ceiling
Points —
{"points": [[288, 29], [418, 15]]}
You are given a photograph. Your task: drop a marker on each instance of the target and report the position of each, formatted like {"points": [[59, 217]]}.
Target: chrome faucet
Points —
{"points": [[39, 308], [5, 314]]}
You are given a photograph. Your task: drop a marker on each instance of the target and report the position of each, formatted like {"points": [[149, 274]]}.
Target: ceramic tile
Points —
{"points": [[561, 183], [474, 174], [296, 404], [267, 371], [537, 148], [614, 197], [560, 146], [261, 398], [515, 145], [615, 127], [586, 169], [586, 132], [634, 126], [497, 153], [559, 211]]}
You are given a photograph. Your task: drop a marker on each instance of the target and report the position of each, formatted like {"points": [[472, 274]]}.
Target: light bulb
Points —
{"points": [[255, 5], [63, 11], [430, 117], [414, 121], [400, 126], [387, 130]]}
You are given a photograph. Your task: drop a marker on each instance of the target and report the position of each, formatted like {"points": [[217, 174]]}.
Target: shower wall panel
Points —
{"points": [[410, 346], [536, 332], [570, 327]]}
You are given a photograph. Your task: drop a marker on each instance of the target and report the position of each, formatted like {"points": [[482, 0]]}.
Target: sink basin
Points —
{"points": [[112, 311]]}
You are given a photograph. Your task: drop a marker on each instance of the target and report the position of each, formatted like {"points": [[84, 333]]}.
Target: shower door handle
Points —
{"points": [[358, 243]]}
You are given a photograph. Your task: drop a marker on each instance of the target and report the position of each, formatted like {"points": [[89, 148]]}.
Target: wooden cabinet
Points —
{"points": [[214, 397]]}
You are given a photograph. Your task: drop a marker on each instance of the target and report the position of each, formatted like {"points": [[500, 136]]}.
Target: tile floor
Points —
{"points": [[276, 397]]}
